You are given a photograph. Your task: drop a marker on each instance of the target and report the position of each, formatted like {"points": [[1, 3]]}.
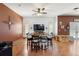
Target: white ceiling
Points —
{"points": [[53, 9]]}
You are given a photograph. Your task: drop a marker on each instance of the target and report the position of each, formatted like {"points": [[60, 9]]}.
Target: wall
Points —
{"points": [[16, 28], [47, 21], [64, 28]]}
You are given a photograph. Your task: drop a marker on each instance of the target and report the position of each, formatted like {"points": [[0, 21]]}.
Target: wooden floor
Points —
{"points": [[58, 49]]}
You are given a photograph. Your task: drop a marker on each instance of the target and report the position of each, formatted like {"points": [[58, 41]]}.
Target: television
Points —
{"points": [[38, 27]]}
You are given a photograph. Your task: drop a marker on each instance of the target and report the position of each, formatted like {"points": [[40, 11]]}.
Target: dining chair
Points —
{"points": [[35, 44]]}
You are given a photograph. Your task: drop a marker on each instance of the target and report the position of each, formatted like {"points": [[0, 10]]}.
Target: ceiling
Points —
{"points": [[52, 9]]}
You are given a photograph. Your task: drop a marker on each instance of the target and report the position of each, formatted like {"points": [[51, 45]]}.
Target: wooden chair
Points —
{"points": [[35, 44], [43, 43]]}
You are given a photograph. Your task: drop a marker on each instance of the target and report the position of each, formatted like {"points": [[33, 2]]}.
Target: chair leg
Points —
{"points": [[42, 47], [35, 46], [51, 42]]}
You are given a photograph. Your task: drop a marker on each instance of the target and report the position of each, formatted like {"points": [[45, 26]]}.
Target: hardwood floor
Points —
{"points": [[58, 49]]}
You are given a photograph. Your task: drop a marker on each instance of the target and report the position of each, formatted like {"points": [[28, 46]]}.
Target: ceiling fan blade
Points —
{"points": [[34, 14], [34, 10], [43, 9], [44, 12]]}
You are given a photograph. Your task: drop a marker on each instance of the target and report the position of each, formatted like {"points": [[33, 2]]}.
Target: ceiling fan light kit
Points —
{"points": [[39, 12]]}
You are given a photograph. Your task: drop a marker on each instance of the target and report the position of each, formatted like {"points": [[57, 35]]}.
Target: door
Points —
{"points": [[74, 29]]}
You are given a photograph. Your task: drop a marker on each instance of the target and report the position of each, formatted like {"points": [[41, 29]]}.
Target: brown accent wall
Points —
{"points": [[63, 29], [16, 28]]}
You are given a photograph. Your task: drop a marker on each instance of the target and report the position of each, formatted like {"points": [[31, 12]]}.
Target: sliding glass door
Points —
{"points": [[74, 29]]}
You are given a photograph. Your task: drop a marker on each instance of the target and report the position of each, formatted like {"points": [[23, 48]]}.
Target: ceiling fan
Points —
{"points": [[39, 11]]}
